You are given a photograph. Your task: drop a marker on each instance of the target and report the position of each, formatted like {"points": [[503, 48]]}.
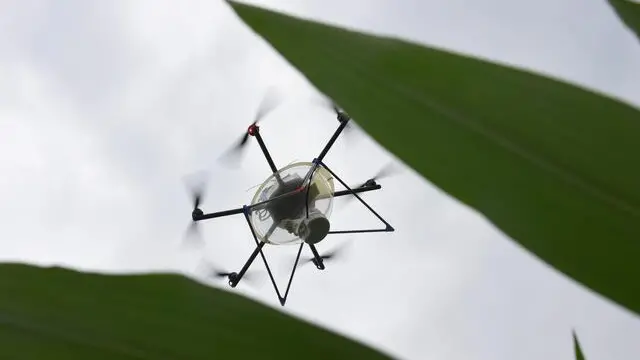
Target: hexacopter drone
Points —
{"points": [[292, 206]]}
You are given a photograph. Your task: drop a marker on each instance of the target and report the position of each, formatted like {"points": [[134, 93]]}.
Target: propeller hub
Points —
{"points": [[342, 117], [370, 182], [319, 265], [196, 214], [233, 277], [253, 129]]}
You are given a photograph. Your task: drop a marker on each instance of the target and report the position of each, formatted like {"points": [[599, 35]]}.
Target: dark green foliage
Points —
{"points": [[61, 314], [629, 12], [576, 347]]}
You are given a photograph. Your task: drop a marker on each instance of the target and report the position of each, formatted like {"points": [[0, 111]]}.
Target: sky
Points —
{"points": [[105, 107]]}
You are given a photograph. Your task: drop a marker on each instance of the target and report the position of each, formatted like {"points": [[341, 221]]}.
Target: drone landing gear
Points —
{"points": [[259, 246], [234, 278]]}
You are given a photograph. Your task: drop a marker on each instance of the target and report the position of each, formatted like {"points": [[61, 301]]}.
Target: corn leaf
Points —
{"points": [[576, 347], [629, 13], [54, 313], [553, 165]]}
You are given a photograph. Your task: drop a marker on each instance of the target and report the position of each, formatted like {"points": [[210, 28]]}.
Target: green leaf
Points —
{"points": [[629, 12], [576, 347], [554, 166], [61, 314]]}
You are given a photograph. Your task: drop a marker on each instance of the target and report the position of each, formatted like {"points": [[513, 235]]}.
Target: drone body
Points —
{"points": [[282, 201], [293, 206]]}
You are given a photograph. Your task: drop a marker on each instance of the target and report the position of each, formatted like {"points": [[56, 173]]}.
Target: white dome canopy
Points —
{"points": [[285, 214]]}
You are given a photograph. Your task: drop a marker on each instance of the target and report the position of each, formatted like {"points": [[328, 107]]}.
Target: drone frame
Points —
{"points": [[254, 130]]}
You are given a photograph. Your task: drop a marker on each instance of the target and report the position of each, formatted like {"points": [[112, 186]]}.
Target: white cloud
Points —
{"points": [[53, 172]]}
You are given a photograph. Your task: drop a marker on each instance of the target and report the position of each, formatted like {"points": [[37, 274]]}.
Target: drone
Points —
{"points": [[292, 206]]}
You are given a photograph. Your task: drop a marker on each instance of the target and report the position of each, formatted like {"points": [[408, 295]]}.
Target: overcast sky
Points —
{"points": [[106, 106]]}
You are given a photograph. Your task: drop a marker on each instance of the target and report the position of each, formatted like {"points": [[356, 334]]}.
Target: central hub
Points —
{"points": [[291, 206], [291, 210]]}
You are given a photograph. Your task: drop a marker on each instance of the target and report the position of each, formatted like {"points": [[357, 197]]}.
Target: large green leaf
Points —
{"points": [[629, 12], [554, 166], [62, 314], [576, 348]]}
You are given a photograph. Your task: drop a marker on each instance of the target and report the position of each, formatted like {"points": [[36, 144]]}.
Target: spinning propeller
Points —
{"points": [[196, 190], [213, 272], [341, 115], [270, 101], [386, 171], [332, 255]]}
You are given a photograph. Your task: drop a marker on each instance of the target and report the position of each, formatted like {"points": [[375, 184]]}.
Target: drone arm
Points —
{"points": [[266, 153], [344, 120], [325, 150], [254, 130], [389, 228], [217, 214], [258, 250], [318, 259], [236, 279], [357, 190]]}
